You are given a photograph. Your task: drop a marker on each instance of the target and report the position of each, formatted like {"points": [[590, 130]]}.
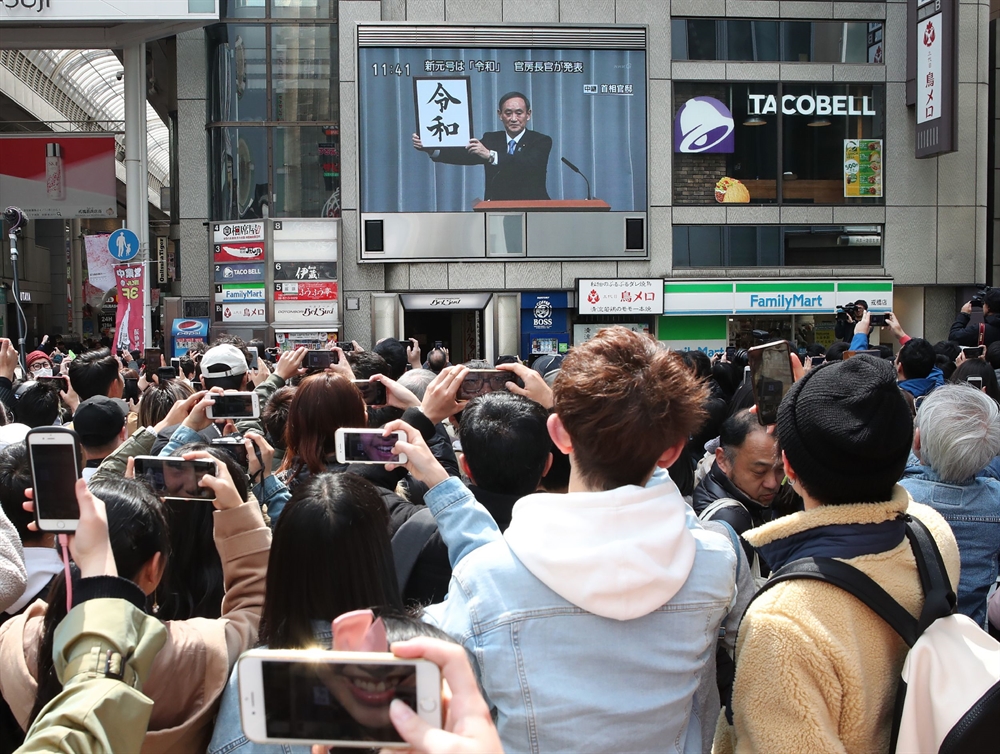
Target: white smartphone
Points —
{"points": [[54, 453], [976, 382], [234, 406], [310, 696], [368, 446], [254, 364]]}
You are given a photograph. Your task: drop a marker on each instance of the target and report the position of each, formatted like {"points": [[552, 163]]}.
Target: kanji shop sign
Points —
{"points": [[620, 296], [932, 44]]}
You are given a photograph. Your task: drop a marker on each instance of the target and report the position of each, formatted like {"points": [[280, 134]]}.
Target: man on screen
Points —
{"points": [[516, 159]]}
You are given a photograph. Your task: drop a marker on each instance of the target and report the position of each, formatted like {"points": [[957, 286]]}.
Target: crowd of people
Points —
{"points": [[578, 551]]}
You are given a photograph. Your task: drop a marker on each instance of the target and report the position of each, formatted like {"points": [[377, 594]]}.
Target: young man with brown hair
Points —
{"points": [[592, 621]]}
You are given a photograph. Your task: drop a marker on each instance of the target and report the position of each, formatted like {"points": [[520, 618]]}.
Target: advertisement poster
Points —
{"points": [[239, 252], [862, 167], [584, 106], [620, 296], [305, 291], [240, 312], [128, 328], [58, 177], [100, 269]]}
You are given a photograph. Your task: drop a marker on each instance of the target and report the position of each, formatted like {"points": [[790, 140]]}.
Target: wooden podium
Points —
{"points": [[543, 205]]}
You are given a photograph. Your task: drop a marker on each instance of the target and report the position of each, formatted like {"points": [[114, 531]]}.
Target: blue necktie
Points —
{"points": [[510, 146]]}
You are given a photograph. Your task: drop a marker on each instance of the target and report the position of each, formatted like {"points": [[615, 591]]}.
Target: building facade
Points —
{"points": [[801, 193]]}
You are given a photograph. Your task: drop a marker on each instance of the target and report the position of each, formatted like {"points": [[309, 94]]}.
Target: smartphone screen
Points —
{"points": [[166, 373], [976, 382], [131, 391], [175, 477], [233, 406], [253, 357], [482, 381], [54, 489], [770, 377], [369, 446], [152, 360], [326, 701], [176, 364], [372, 392], [973, 353], [59, 383], [321, 359], [730, 352], [877, 320]]}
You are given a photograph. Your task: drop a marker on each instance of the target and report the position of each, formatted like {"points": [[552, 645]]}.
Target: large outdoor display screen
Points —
{"points": [[442, 129]]}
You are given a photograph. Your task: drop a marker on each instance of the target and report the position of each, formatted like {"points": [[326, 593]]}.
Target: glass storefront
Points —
{"points": [[274, 110], [777, 246], [790, 144]]}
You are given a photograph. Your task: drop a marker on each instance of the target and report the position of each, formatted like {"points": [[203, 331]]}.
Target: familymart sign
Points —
{"points": [[768, 297]]}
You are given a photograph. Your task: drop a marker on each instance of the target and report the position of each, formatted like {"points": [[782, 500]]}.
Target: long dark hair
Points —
{"points": [[137, 529], [330, 554], [194, 586]]}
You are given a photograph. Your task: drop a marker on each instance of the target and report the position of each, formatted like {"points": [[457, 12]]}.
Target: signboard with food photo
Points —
{"points": [[731, 191], [862, 167]]}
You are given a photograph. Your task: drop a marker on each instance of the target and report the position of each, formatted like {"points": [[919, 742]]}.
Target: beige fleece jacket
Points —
{"points": [[816, 670]]}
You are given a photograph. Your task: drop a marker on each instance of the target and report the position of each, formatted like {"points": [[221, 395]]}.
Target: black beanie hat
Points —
{"points": [[846, 430]]}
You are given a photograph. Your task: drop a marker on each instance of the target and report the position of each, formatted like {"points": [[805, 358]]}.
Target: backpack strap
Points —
{"points": [[982, 333], [939, 597], [853, 581], [408, 541], [737, 545]]}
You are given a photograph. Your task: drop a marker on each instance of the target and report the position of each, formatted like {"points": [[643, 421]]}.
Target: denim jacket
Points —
{"points": [[601, 639], [228, 736], [972, 510]]}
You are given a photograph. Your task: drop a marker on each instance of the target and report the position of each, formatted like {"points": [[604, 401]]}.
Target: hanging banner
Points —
{"points": [[128, 328], [100, 269], [932, 39]]}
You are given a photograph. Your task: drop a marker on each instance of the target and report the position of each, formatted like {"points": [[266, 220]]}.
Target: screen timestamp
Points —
{"points": [[391, 69]]}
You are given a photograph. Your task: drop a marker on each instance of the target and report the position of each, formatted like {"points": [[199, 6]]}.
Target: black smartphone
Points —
{"points": [[321, 359], [373, 392], [438, 344], [730, 352], [877, 320], [175, 478], [771, 377], [153, 358], [59, 383], [482, 381], [346, 346], [165, 374], [131, 391], [973, 352], [54, 455]]}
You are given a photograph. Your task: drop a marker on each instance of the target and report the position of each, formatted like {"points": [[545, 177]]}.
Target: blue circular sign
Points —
{"points": [[123, 244]]}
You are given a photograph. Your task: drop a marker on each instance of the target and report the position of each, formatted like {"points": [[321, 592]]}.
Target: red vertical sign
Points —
{"points": [[128, 329]]}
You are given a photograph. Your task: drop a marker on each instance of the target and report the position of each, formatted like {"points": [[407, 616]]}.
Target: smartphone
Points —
{"points": [[234, 406], [54, 454], [176, 364], [730, 352], [131, 391], [174, 478], [482, 381], [341, 699], [870, 351], [321, 359], [346, 346], [367, 446], [253, 357], [166, 373], [59, 383], [233, 446], [153, 358], [877, 320], [771, 377], [973, 352], [372, 392], [438, 344], [976, 382]]}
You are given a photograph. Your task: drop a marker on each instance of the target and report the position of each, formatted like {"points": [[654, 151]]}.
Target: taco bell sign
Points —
{"points": [[704, 125]]}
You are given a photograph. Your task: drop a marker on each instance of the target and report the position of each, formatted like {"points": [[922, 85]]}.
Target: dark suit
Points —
{"points": [[517, 176]]}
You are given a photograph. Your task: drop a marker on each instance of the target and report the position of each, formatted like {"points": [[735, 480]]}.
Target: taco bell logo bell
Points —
{"points": [[704, 125]]}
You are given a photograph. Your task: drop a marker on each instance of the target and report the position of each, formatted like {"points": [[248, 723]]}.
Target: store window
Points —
{"points": [[830, 138], [787, 41], [777, 246], [274, 110]]}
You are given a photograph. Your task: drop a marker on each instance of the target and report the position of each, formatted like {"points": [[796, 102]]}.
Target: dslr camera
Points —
{"points": [[977, 300]]}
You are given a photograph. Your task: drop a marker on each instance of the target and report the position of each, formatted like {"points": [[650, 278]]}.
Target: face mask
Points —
{"points": [[43, 373]]}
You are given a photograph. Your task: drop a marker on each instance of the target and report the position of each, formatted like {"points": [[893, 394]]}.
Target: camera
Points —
{"points": [[980, 297], [847, 309]]}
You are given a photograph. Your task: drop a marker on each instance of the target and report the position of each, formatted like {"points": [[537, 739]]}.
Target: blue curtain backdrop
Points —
{"points": [[603, 134]]}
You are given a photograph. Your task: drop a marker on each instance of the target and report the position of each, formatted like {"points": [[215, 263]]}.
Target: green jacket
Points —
{"points": [[103, 651]]}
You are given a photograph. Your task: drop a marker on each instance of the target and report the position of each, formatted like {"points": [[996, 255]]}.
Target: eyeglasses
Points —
{"points": [[37, 366]]}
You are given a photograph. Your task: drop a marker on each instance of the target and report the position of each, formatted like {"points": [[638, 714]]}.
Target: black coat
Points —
{"points": [[518, 176], [715, 486], [966, 333]]}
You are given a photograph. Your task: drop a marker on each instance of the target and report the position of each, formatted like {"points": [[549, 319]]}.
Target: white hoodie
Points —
{"points": [[619, 554]]}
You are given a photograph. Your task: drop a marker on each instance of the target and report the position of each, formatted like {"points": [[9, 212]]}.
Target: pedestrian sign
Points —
{"points": [[123, 244]]}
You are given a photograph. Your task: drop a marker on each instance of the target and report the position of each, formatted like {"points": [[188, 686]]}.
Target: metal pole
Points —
{"points": [[136, 168]]}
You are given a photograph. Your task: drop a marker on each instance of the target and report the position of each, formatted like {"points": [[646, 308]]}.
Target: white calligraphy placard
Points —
{"points": [[444, 111]]}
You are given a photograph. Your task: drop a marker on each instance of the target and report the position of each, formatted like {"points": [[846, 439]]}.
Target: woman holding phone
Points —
{"points": [[190, 672]]}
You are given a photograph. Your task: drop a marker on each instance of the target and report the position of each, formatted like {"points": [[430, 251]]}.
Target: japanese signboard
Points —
{"points": [[930, 40], [444, 111], [239, 252], [622, 296], [239, 273], [240, 312], [297, 312], [236, 232], [317, 291], [237, 292], [862, 167], [129, 279], [931, 71], [305, 270], [161, 259]]}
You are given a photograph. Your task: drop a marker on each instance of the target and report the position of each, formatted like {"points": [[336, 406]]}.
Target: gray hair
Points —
{"points": [[417, 380], [959, 431]]}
